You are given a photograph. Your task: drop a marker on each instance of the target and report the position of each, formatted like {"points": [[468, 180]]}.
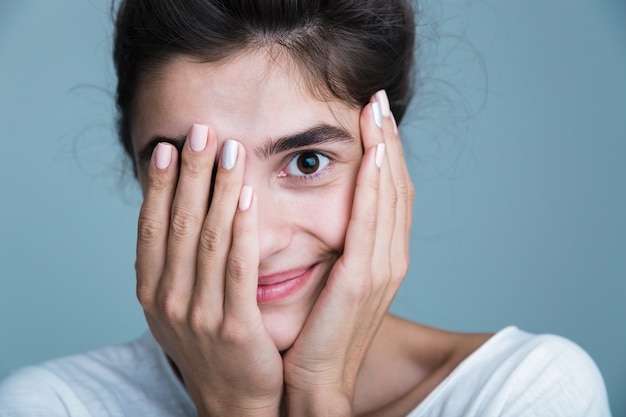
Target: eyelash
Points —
{"points": [[323, 160]]}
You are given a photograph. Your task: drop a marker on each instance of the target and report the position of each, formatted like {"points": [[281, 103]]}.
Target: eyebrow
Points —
{"points": [[317, 135]]}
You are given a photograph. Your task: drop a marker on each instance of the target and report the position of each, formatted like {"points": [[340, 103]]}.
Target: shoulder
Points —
{"points": [[113, 378], [543, 358], [34, 391], [521, 374]]}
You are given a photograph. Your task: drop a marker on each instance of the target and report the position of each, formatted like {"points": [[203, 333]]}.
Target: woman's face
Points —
{"points": [[302, 158]]}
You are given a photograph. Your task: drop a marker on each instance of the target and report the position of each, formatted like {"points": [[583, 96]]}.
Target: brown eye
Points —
{"points": [[306, 163]]}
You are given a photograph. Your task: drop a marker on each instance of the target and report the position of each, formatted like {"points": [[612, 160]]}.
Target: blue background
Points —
{"points": [[517, 146]]}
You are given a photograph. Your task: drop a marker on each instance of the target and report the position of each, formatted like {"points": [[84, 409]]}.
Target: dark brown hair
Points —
{"points": [[348, 48]]}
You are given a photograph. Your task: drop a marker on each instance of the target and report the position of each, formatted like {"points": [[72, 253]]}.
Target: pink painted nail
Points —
{"points": [[162, 155], [380, 154], [198, 137], [245, 198]]}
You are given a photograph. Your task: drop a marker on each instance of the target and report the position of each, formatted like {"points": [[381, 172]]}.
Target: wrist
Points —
{"points": [[227, 406], [318, 404], [239, 411]]}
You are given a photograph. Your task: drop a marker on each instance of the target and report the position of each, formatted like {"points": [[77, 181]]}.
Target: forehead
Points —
{"points": [[249, 97]]}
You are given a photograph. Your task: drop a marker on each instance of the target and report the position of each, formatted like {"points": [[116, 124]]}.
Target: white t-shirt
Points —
{"points": [[519, 374], [513, 374]]}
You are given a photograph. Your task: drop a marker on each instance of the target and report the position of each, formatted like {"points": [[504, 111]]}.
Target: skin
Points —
{"points": [[328, 348]]}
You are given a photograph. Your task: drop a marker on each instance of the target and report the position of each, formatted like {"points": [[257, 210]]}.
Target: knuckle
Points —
{"points": [[158, 182], [406, 190], [198, 319], [211, 239], [362, 291], [146, 297], [193, 168], [232, 332], [357, 290], [183, 223], [411, 192], [385, 279], [148, 227], [170, 309], [403, 268], [144, 291], [239, 268]]}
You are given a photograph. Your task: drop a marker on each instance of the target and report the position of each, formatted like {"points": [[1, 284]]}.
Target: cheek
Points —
{"points": [[328, 214]]}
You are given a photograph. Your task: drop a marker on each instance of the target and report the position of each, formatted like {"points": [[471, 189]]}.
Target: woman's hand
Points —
{"points": [[321, 368], [197, 277]]}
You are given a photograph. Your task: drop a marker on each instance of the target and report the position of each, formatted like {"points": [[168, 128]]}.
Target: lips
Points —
{"points": [[277, 286]]}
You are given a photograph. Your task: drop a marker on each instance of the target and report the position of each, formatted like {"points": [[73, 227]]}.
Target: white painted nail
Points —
{"points": [[378, 116], [229, 154]]}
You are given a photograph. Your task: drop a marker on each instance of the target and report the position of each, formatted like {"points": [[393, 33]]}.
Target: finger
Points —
{"points": [[403, 185], [371, 132], [361, 230], [189, 209], [240, 289], [216, 235], [399, 250], [154, 220]]}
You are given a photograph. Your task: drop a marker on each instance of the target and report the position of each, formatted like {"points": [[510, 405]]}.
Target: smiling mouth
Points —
{"points": [[278, 286]]}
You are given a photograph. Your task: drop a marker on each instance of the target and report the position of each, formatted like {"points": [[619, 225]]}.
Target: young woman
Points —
{"points": [[274, 233]]}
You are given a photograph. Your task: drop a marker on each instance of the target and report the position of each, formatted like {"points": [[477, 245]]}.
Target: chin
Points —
{"points": [[285, 318], [283, 326]]}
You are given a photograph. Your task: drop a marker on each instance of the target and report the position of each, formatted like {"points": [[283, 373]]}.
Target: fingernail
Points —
{"points": [[198, 137], [382, 98], [229, 154], [245, 198], [380, 154], [378, 117], [395, 125], [162, 155]]}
